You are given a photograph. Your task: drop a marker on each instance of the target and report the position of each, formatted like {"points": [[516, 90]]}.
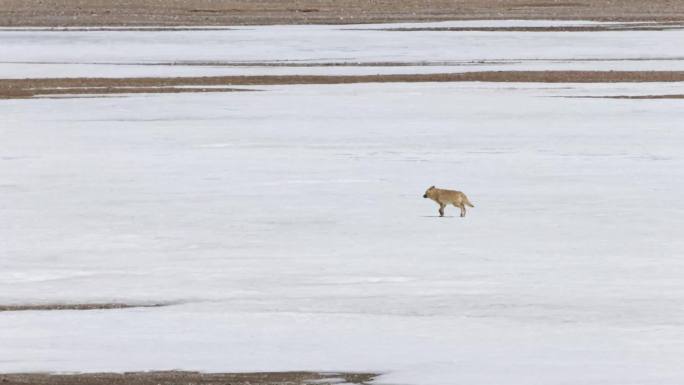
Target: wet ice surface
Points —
{"points": [[45, 53], [287, 227]]}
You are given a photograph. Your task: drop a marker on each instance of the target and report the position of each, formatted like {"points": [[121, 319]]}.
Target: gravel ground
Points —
{"points": [[53, 13]]}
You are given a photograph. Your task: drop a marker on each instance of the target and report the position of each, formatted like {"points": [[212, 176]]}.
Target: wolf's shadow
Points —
{"points": [[437, 216]]}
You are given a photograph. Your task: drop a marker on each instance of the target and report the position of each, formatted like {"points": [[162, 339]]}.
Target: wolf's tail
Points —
{"points": [[468, 202]]}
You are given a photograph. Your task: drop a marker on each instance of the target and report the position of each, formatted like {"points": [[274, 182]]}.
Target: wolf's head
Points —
{"points": [[429, 192]]}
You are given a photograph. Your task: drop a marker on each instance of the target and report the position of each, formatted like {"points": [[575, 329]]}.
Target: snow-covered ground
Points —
{"points": [[45, 53], [287, 229]]}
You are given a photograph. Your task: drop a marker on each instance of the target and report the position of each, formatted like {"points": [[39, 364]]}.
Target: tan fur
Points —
{"points": [[447, 197]]}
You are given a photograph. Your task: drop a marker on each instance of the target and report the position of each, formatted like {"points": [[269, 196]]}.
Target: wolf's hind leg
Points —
{"points": [[463, 210]]}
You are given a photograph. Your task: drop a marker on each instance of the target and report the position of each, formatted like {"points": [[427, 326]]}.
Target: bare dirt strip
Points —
{"points": [[76, 306], [27, 88], [132, 13], [632, 26], [187, 378]]}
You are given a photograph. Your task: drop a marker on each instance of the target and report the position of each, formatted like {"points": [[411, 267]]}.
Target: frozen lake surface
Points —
{"points": [[287, 227]]}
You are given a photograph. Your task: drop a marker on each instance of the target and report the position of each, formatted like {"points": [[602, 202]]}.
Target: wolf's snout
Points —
{"points": [[424, 195]]}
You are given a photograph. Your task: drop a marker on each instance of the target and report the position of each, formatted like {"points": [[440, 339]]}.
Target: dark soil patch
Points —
{"points": [[26, 88], [187, 378], [75, 306]]}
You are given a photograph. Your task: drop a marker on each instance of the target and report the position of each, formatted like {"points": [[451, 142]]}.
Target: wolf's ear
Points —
{"points": [[431, 187]]}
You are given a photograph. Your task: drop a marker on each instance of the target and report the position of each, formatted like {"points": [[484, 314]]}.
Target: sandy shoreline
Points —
{"points": [[55, 13]]}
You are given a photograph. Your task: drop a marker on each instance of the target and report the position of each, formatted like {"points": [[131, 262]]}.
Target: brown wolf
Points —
{"points": [[445, 197]]}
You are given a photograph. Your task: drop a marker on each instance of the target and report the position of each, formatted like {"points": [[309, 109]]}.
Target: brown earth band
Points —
{"points": [[75, 306], [26, 88], [187, 378], [55, 13]]}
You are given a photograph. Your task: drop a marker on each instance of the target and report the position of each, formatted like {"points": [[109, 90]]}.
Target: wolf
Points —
{"points": [[445, 197]]}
